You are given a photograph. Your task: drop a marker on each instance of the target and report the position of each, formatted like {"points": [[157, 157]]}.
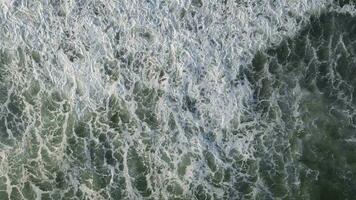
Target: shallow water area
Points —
{"points": [[177, 99]]}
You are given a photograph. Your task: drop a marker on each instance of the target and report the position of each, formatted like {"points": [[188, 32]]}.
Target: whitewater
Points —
{"points": [[177, 99]]}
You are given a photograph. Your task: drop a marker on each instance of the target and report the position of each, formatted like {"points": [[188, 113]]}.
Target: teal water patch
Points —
{"points": [[310, 81]]}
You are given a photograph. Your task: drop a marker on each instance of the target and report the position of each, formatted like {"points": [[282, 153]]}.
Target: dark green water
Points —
{"points": [[306, 86]]}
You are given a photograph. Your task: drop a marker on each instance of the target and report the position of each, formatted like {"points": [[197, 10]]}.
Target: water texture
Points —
{"points": [[187, 99]]}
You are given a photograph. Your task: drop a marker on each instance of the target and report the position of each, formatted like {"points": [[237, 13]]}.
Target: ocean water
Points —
{"points": [[178, 99]]}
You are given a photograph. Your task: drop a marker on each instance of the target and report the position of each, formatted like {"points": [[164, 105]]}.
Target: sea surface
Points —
{"points": [[177, 99]]}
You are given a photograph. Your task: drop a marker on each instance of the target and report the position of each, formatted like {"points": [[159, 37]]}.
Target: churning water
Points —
{"points": [[177, 99]]}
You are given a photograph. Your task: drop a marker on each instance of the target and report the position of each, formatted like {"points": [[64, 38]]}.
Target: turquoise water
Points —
{"points": [[177, 99]]}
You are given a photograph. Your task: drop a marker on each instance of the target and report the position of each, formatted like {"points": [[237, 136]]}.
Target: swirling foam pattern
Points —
{"points": [[177, 99]]}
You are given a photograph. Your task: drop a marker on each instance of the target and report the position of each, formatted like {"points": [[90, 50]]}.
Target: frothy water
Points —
{"points": [[177, 99]]}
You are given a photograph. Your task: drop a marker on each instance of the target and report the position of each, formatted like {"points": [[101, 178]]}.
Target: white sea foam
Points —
{"points": [[173, 46]]}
